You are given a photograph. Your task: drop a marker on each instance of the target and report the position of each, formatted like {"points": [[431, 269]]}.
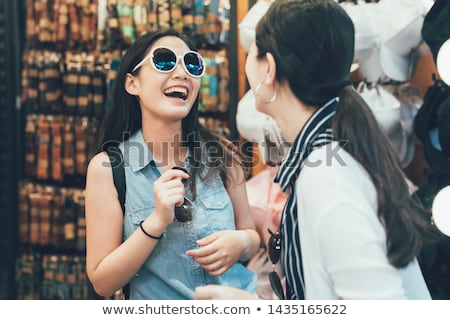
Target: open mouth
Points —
{"points": [[177, 92]]}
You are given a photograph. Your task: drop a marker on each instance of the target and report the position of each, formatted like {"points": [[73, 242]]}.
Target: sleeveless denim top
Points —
{"points": [[168, 274]]}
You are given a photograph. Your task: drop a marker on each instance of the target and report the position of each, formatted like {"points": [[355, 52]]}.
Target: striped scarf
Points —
{"points": [[316, 133]]}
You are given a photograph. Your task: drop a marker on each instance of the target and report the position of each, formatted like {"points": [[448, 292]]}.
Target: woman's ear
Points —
{"points": [[271, 71], [131, 85]]}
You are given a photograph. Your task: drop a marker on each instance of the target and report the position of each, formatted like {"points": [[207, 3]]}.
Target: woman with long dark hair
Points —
{"points": [[350, 229], [154, 122]]}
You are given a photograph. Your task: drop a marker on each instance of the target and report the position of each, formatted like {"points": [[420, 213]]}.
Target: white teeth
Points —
{"points": [[181, 90]]}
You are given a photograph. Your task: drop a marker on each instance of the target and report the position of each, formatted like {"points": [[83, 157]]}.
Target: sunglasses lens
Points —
{"points": [[185, 212], [164, 59], [275, 283], [194, 63]]}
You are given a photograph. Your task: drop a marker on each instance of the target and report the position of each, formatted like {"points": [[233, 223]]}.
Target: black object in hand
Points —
{"points": [[184, 212]]}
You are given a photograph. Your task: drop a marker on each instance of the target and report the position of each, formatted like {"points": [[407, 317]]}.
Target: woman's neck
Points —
{"points": [[166, 143], [291, 115]]}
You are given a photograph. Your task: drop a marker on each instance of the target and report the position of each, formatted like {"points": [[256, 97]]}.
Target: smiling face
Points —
{"points": [[164, 95]]}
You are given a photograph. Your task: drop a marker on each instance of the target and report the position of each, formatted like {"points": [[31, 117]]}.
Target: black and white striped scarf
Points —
{"points": [[316, 133]]}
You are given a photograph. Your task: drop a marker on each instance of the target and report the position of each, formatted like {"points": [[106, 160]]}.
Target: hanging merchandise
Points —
{"points": [[386, 43], [43, 152], [393, 117], [208, 89], [68, 147], [98, 88], [113, 36], [164, 14], [176, 15], [188, 16], [25, 189], [125, 11], [140, 16], [152, 16], [62, 277], [199, 17], [213, 25], [70, 89], [30, 146]]}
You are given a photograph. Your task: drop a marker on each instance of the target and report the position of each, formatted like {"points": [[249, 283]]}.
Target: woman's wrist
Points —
{"points": [[155, 237], [153, 226], [251, 242]]}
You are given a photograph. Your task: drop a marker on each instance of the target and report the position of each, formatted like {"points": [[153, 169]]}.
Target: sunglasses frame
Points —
{"points": [[178, 58], [184, 212]]}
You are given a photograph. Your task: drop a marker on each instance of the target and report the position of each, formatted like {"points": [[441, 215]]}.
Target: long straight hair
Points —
{"points": [[402, 216]]}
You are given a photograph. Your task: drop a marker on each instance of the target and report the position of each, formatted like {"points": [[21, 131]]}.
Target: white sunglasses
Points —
{"points": [[165, 60]]}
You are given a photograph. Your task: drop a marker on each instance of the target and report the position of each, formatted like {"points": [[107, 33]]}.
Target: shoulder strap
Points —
{"points": [[116, 158]]}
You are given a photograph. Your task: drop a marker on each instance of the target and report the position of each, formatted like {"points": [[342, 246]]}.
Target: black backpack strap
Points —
{"points": [[116, 158]]}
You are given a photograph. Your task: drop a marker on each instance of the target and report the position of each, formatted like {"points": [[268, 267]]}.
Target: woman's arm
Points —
{"points": [[110, 262], [244, 221]]}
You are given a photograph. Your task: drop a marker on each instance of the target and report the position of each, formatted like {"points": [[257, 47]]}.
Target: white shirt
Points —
{"points": [[343, 242]]}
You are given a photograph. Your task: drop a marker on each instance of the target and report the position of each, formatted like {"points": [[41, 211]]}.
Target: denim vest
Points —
{"points": [[168, 274]]}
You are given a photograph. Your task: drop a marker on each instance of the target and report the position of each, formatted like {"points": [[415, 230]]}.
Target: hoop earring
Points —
{"points": [[274, 96]]}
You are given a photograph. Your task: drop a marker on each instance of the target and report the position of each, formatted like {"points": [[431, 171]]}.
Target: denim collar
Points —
{"points": [[137, 154]]}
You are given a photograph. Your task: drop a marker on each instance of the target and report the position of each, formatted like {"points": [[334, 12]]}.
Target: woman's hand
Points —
{"points": [[218, 292], [219, 251], [169, 192]]}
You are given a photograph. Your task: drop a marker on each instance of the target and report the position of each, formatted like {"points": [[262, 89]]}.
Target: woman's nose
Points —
{"points": [[179, 71]]}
